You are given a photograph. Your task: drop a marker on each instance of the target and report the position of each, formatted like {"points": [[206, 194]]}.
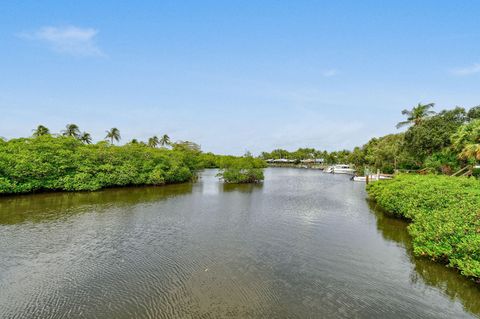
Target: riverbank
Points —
{"points": [[49, 163], [286, 165], [444, 214]]}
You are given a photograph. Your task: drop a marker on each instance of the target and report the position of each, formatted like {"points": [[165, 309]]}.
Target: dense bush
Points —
{"points": [[445, 214], [238, 170], [210, 160], [434, 133], [445, 162], [65, 163]]}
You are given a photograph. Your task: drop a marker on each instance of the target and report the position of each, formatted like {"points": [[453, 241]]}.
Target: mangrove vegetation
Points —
{"points": [[445, 215], [71, 162], [239, 170]]}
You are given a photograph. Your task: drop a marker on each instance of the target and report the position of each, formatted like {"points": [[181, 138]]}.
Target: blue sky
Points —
{"points": [[234, 75]]}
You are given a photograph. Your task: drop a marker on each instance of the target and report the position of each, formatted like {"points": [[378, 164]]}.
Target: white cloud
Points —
{"points": [[329, 73], [473, 69], [68, 40]]}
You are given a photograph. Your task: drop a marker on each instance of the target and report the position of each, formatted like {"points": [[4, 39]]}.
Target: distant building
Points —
{"points": [[291, 161]]}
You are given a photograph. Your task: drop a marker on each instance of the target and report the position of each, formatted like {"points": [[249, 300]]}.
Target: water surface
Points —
{"points": [[302, 245]]}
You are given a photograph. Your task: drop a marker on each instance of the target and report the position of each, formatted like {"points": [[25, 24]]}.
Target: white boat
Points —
{"points": [[371, 178], [340, 169]]}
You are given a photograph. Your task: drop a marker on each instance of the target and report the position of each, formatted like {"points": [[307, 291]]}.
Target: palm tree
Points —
{"points": [[471, 151], [134, 141], [417, 114], [153, 141], [113, 134], [85, 138], [71, 130], [165, 140], [40, 131]]}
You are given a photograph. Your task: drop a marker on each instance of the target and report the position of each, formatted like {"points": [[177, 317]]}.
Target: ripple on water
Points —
{"points": [[302, 245]]}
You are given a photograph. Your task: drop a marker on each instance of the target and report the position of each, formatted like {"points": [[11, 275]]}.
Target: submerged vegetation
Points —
{"points": [[445, 215]]}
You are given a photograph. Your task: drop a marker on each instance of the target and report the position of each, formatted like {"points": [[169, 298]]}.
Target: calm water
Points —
{"points": [[302, 245]]}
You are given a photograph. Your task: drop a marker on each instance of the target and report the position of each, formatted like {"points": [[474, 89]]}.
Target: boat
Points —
{"points": [[340, 169], [371, 178]]}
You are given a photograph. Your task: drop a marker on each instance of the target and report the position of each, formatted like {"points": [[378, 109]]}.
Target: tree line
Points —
{"points": [[69, 161], [112, 135], [440, 142], [65, 163]]}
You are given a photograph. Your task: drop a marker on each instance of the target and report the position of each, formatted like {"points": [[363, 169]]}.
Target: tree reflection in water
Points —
{"points": [[448, 280]]}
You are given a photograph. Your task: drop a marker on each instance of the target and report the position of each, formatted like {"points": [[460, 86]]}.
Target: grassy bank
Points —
{"points": [[48, 163], [445, 215]]}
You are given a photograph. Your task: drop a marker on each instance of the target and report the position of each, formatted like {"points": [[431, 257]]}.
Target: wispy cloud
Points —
{"points": [[69, 40], [329, 73], [473, 69]]}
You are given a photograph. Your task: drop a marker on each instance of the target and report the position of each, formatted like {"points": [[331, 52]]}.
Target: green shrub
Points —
{"points": [[238, 176], [445, 162], [237, 170], [178, 174], [445, 215], [157, 176], [80, 182], [6, 186], [64, 163]]}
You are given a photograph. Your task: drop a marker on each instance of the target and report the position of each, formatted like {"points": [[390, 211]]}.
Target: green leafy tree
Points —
{"points": [[186, 146], [357, 157], [387, 153], [433, 134], [417, 114], [474, 113], [276, 154], [113, 135], [41, 131], [85, 138], [303, 153], [209, 160], [71, 130], [339, 157], [265, 155]]}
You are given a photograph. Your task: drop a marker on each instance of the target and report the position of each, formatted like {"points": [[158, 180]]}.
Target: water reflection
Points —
{"points": [[426, 271], [49, 206], [242, 188]]}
